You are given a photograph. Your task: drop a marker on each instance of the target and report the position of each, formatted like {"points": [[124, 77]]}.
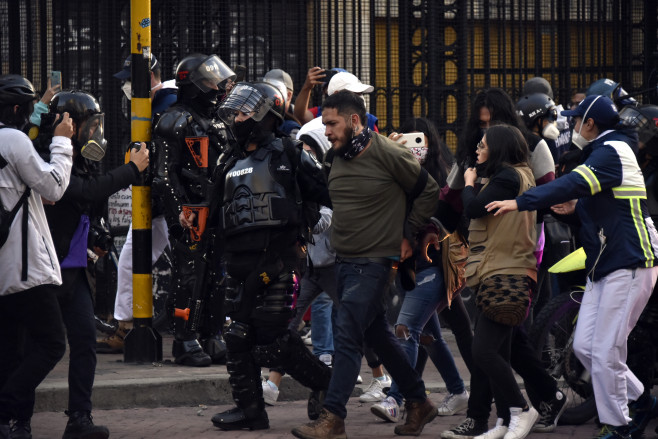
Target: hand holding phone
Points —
{"points": [[415, 142], [55, 78]]}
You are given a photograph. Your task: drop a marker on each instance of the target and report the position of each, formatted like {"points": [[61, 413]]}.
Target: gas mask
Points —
{"points": [[550, 131], [127, 89], [90, 137], [576, 138]]}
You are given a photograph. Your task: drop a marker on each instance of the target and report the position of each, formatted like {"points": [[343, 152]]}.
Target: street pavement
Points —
{"points": [[165, 400]]}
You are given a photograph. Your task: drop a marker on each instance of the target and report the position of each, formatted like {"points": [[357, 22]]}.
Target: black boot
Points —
{"points": [[189, 353], [215, 347], [236, 419], [21, 430], [80, 426]]}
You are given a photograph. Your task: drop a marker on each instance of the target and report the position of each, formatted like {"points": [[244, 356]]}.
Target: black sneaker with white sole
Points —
{"points": [[466, 430], [550, 412]]}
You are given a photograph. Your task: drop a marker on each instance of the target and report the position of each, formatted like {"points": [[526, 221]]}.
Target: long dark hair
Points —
{"points": [[507, 147], [439, 159], [502, 110]]}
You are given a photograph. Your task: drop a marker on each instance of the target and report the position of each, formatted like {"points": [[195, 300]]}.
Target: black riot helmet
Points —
{"points": [[16, 90], [537, 85], [205, 72], [83, 108], [257, 99], [613, 90], [644, 119], [536, 106]]}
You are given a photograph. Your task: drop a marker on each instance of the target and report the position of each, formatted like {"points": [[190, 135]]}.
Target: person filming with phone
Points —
{"points": [[29, 268]]}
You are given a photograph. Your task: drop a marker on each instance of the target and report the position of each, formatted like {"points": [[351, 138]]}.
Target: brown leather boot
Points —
{"points": [[114, 343], [327, 426], [418, 414]]}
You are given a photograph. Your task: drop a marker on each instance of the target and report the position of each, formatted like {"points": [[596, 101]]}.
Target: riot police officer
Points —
{"points": [[269, 190], [188, 139]]}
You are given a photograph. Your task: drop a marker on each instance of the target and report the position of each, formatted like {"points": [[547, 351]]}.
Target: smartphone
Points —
{"points": [[413, 140], [56, 78]]}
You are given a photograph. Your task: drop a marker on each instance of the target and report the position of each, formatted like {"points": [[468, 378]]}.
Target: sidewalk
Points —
{"points": [[170, 401]]}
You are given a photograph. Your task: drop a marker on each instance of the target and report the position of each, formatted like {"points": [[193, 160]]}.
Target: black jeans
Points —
{"points": [[32, 313], [525, 361], [492, 371]]}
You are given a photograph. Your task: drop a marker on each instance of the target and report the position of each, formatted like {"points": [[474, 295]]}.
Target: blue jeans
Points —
{"points": [[322, 334], [361, 317], [419, 311]]}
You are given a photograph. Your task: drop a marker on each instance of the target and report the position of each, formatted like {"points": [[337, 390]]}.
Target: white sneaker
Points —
{"points": [[388, 410], [326, 359], [498, 432], [359, 380], [520, 422], [375, 391], [454, 403], [270, 392]]}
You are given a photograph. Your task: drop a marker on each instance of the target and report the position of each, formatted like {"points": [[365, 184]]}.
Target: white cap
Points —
{"points": [[315, 129], [347, 81]]}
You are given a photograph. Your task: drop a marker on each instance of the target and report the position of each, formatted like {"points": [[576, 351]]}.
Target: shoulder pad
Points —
{"points": [[172, 123]]}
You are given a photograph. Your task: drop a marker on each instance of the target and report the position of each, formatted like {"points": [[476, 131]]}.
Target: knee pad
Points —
{"points": [[238, 337], [278, 296]]}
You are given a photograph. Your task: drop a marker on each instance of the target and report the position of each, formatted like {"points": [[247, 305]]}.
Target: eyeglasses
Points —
{"points": [[481, 146]]}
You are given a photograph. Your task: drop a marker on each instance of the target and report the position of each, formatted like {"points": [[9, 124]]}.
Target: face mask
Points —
{"points": [[93, 144], [357, 144], [127, 89], [242, 130], [576, 138], [550, 132]]}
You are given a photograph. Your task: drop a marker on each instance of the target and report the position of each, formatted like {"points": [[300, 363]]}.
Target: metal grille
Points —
{"points": [[424, 57]]}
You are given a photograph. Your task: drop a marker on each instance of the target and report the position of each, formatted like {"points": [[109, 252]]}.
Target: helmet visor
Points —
{"points": [[212, 74], [647, 129], [92, 141], [620, 96], [248, 100]]}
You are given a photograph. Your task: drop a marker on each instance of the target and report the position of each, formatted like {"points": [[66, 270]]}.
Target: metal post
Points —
{"points": [[142, 343]]}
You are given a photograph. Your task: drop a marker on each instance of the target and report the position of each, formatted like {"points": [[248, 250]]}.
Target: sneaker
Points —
{"points": [[466, 430], [326, 359], [498, 432], [388, 410], [359, 380], [236, 419], [375, 391], [20, 430], [611, 432], [270, 392], [520, 422], [641, 412], [550, 412], [454, 403]]}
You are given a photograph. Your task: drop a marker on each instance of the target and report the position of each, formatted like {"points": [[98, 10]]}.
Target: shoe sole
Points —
{"points": [[382, 414], [236, 426], [371, 399]]}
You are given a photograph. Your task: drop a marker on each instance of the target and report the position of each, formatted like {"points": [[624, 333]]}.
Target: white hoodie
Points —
{"points": [[47, 180]]}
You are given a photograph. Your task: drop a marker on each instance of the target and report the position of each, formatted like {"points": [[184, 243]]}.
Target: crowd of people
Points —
{"points": [[271, 207]]}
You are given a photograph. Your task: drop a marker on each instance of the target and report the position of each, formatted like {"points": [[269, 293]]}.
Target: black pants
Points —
{"points": [[491, 371], [32, 314]]}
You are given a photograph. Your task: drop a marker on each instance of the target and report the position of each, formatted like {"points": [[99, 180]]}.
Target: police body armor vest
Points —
{"points": [[254, 199]]}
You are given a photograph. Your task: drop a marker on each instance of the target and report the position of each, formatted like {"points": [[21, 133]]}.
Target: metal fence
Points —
{"points": [[424, 57]]}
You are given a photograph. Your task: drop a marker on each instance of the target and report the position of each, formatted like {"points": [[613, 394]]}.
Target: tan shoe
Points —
{"points": [[327, 426], [114, 343], [418, 414]]}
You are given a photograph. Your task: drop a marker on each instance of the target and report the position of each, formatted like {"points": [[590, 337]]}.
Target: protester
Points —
{"points": [[28, 265], [608, 195], [368, 227]]}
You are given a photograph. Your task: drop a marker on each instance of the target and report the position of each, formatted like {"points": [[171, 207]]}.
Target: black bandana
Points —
{"points": [[357, 144]]}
